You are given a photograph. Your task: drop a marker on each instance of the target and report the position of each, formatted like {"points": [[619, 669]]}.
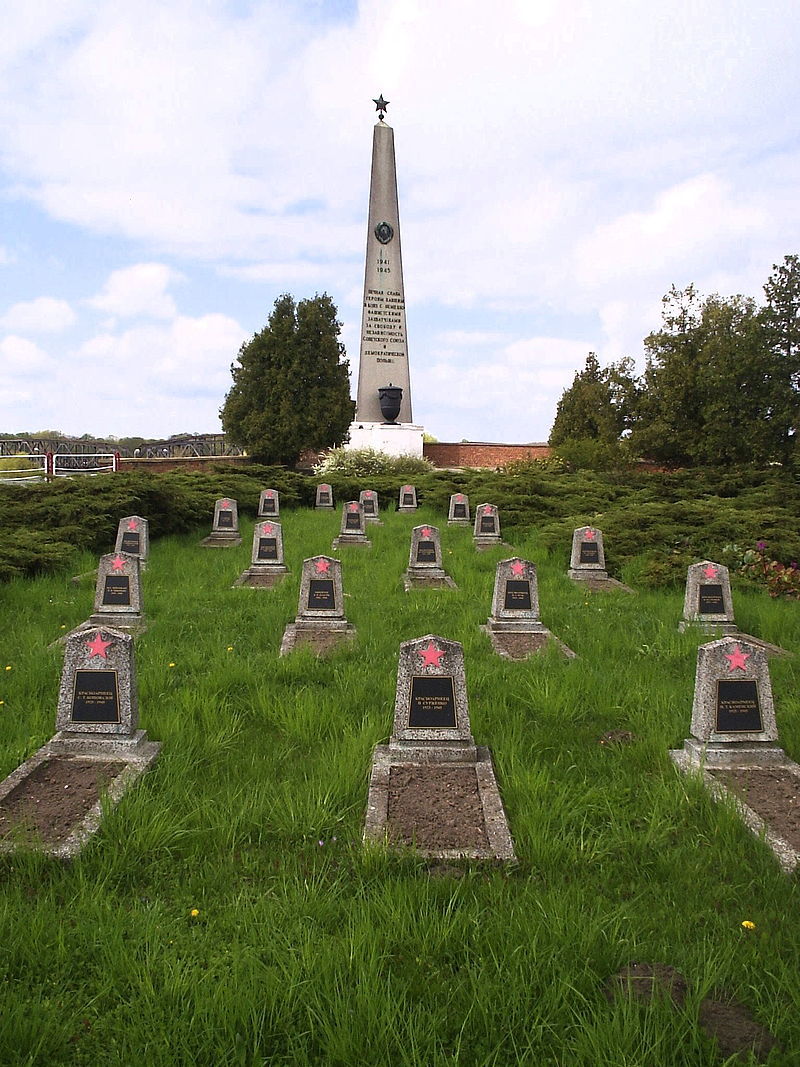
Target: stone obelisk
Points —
{"points": [[383, 357]]}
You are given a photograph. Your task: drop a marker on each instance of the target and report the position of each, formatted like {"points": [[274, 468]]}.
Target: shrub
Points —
{"points": [[368, 462]]}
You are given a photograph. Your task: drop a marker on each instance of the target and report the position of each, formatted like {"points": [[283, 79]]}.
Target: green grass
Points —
{"points": [[329, 953]]}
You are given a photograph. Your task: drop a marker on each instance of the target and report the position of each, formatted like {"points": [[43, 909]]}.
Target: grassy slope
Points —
{"points": [[324, 953]]}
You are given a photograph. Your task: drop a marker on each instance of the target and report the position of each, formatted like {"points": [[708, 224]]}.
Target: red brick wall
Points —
{"points": [[159, 465], [478, 454]]}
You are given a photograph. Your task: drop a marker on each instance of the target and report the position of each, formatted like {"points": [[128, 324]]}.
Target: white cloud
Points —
{"points": [[140, 290], [45, 314], [20, 357]]}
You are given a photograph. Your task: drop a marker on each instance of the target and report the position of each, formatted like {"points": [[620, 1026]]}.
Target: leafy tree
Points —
{"points": [[598, 405], [781, 318], [290, 385]]}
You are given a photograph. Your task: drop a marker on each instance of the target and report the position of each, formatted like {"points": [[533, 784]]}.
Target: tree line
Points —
{"points": [[721, 384]]}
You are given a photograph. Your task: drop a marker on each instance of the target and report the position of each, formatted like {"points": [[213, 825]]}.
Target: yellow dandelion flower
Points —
{"points": [[230, 648], [748, 925], [171, 664], [8, 668], [194, 912]]}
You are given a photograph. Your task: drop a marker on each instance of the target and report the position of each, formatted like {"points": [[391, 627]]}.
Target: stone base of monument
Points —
{"points": [[351, 540], [407, 508], [761, 782], [320, 635], [261, 577], [598, 582], [442, 805], [431, 578], [492, 541], [719, 629], [518, 640], [395, 439], [459, 522], [53, 802], [221, 540]]}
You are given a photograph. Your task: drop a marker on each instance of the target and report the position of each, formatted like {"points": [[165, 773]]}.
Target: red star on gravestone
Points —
{"points": [[323, 566], [369, 493], [425, 532], [133, 524], [269, 496], [589, 535], [98, 647], [460, 498], [737, 659], [267, 527], [226, 503], [406, 488], [487, 510], [517, 567], [710, 572], [118, 564], [431, 656], [353, 506]]}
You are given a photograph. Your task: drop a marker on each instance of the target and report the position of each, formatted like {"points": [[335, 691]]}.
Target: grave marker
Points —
{"points": [[368, 499], [588, 559], [97, 735], [269, 504], [486, 533], [458, 512], [408, 498], [133, 538], [118, 593], [320, 620], [324, 500], [425, 560], [707, 602], [514, 626], [431, 744], [225, 527], [267, 567], [353, 528]]}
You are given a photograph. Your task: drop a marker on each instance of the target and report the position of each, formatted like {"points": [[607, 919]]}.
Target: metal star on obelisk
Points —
{"points": [[380, 106]]}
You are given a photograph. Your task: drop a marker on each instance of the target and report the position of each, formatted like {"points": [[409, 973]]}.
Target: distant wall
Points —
{"points": [[160, 464], [481, 454]]}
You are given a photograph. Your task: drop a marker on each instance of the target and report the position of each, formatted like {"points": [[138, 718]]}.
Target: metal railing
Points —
{"points": [[44, 466]]}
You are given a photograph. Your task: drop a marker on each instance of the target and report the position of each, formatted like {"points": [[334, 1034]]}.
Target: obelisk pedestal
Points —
{"points": [[383, 356]]}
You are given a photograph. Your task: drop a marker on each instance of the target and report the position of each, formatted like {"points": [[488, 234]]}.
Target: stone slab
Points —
{"points": [[133, 538], [368, 499], [269, 504], [732, 694], [324, 497], [707, 602], [486, 531], [588, 558], [458, 511], [407, 500], [322, 638], [500, 845]]}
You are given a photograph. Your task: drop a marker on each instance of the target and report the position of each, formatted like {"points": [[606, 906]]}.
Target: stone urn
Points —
{"points": [[391, 397]]}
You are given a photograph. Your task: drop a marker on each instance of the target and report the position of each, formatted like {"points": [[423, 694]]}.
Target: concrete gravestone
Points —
{"points": [[458, 512], [733, 742], [320, 621], [225, 528], [353, 528], [97, 738], [408, 498], [431, 786], [267, 567], [425, 560], [707, 603], [486, 533], [368, 499], [269, 504], [133, 538], [324, 498], [514, 626], [118, 593], [588, 559]]}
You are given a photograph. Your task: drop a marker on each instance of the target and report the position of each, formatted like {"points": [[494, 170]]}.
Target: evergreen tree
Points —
{"points": [[598, 405], [290, 385]]}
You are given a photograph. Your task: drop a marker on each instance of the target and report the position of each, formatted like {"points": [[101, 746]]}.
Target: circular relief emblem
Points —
{"points": [[384, 232]]}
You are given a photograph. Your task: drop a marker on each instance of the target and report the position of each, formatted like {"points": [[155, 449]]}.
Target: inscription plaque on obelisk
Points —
{"points": [[383, 359]]}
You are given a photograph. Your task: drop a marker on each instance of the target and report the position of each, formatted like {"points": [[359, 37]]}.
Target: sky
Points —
{"points": [[169, 168]]}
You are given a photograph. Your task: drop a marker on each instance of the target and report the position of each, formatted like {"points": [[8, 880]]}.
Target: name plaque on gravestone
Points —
{"points": [[95, 697], [426, 552], [459, 511], [225, 520], [320, 594], [268, 506], [130, 542], [518, 594], [589, 552], [738, 709], [432, 703], [117, 590], [352, 521], [267, 548], [408, 500], [324, 498], [486, 524], [369, 505], [710, 600]]}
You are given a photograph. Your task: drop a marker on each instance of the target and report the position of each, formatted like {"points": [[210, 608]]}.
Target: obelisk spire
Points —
{"points": [[383, 358]]}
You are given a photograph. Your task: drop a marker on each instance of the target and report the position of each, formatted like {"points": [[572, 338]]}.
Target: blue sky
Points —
{"points": [[168, 169]]}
